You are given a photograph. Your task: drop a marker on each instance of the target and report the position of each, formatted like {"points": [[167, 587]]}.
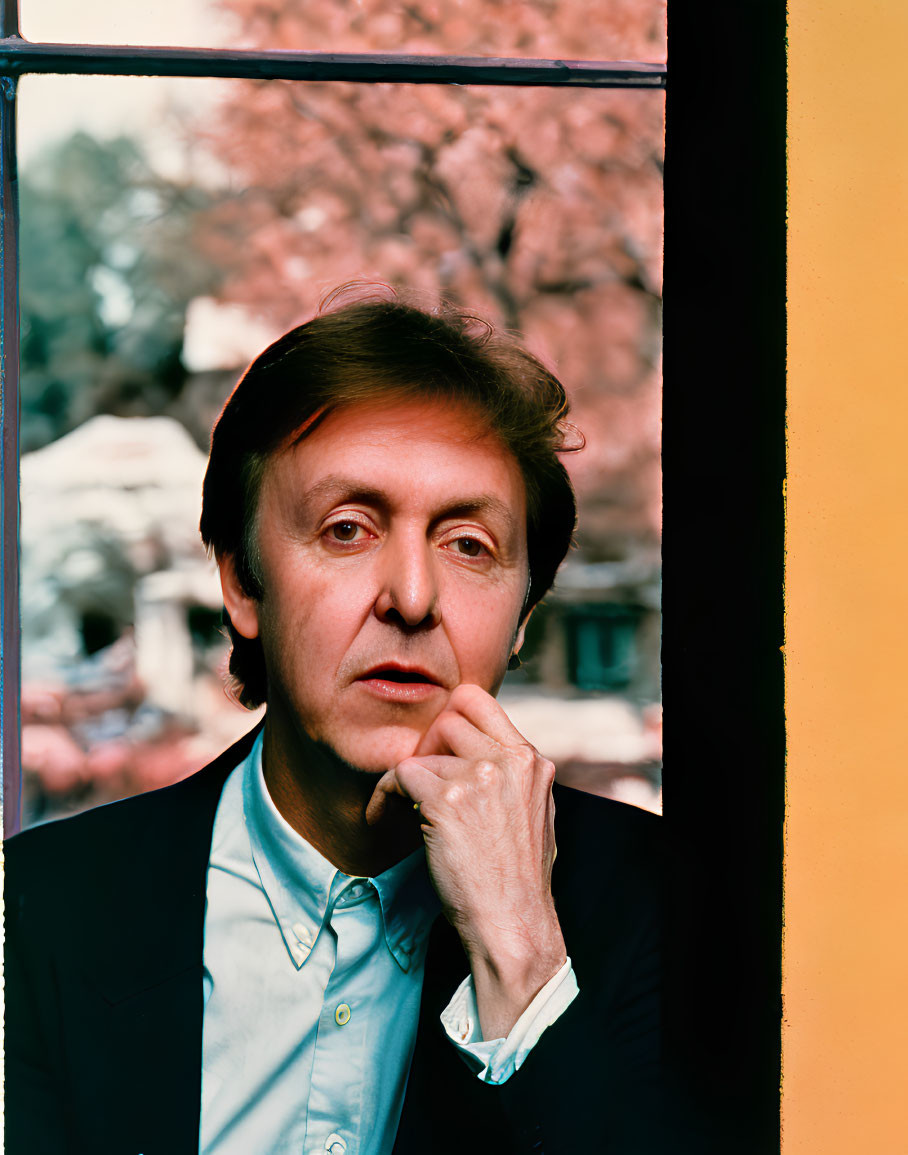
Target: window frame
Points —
{"points": [[724, 469]]}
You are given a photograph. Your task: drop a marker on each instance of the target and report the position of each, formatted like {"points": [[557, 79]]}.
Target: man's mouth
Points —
{"points": [[398, 683]]}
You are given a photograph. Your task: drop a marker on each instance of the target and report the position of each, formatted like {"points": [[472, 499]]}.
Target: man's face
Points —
{"points": [[392, 545]]}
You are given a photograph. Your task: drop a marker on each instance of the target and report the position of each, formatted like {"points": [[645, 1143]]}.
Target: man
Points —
{"points": [[251, 961]]}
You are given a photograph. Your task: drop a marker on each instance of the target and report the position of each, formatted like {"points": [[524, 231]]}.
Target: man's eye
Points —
{"points": [[469, 546], [344, 530]]}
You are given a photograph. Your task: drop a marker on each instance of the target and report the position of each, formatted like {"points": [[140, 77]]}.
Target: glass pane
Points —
{"points": [[619, 30], [156, 262], [189, 23]]}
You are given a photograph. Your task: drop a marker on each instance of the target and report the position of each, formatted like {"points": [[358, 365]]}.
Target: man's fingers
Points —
{"points": [[485, 714], [411, 779], [472, 725], [386, 786], [452, 733]]}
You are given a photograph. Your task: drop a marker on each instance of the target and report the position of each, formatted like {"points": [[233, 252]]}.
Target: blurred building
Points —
{"points": [[120, 616]]}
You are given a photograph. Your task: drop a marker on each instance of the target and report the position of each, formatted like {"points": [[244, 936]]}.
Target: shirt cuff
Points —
{"points": [[495, 1060]]}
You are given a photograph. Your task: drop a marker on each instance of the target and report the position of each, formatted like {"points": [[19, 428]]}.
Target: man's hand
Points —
{"points": [[485, 798]]}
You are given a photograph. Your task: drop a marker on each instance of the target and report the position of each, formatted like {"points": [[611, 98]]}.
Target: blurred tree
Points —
{"points": [[108, 269], [538, 208]]}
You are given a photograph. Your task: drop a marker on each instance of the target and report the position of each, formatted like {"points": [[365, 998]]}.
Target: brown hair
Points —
{"points": [[381, 348]]}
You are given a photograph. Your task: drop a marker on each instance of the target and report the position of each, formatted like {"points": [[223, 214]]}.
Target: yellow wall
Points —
{"points": [[845, 1083]]}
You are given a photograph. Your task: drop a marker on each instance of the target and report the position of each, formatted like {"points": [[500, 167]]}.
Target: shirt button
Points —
{"points": [[335, 1144], [342, 1015]]}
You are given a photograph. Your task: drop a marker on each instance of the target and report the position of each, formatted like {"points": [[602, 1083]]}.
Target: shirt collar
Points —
{"points": [[303, 887], [409, 906]]}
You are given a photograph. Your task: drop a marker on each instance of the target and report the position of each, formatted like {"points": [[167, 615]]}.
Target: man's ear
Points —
{"points": [[521, 631], [243, 609]]}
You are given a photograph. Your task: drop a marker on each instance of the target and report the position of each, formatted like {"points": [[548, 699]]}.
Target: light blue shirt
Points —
{"points": [[312, 983]]}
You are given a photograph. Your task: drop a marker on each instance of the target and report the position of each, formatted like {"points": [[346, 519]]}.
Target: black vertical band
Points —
{"points": [[724, 459]]}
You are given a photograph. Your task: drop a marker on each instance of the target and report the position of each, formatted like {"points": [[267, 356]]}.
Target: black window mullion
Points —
{"points": [[18, 57], [10, 767]]}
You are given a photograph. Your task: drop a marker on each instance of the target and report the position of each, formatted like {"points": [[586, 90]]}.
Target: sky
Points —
{"points": [[53, 107]]}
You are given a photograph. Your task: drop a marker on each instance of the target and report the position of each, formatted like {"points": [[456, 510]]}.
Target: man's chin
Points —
{"points": [[376, 754]]}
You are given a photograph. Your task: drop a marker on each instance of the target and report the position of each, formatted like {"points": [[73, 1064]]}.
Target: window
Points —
{"points": [[724, 421], [505, 177]]}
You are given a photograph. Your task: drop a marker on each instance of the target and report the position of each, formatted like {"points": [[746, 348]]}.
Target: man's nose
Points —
{"points": [[409, 594]]}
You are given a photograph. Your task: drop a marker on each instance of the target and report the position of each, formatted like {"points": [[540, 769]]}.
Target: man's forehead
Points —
{"points": [[365, 450], [396, 408], [377, 424]]}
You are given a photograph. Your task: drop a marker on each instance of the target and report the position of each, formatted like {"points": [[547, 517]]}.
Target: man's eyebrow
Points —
{"points": [[480, 505], [335, 487]]}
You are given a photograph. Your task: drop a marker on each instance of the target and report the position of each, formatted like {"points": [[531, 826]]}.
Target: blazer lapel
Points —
{"points": [[146, 977]]}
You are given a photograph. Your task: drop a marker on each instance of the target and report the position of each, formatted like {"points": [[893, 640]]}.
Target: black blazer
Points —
{"points": [[104, 929]]}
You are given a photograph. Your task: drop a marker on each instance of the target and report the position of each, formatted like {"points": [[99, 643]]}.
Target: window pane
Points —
{"points": [[619, 30], [190, 23], [157, 261]]}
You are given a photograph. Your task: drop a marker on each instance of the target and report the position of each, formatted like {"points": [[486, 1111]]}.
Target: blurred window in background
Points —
{"points": [[602, 646]]}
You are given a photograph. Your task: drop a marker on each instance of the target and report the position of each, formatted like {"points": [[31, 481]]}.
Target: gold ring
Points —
{"points": [[416, 806]]}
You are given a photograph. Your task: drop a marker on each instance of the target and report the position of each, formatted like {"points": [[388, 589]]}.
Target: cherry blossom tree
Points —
{"points": [[539, 208]]}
